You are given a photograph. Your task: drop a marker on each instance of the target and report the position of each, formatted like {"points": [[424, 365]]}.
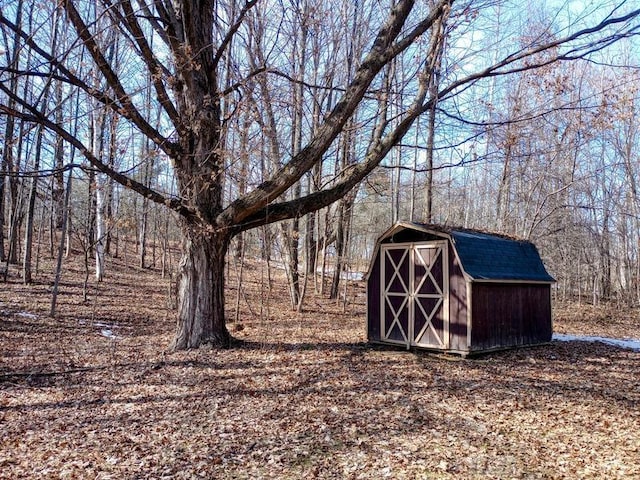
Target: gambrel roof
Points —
{"points": [[484, 256]]}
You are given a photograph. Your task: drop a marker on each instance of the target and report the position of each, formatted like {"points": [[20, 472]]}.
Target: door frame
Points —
{"points": [[410, 285]]}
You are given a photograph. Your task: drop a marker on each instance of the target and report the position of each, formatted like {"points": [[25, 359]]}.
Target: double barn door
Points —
{"points": [[415, 294]]}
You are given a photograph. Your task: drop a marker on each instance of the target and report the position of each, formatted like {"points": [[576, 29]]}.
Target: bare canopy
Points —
{"points": [[186, 53]]}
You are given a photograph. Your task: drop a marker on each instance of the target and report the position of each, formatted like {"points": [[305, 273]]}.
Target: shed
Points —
{"points": [[456, 290]]}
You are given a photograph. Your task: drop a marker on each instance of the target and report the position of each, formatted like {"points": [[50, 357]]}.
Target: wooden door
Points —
{"points": [[414, 300], [430, 312], [395, 280]]}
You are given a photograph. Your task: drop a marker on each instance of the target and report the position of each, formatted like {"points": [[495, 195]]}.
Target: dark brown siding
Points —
{"points": [[506, 315], [373, 300], [411, 236], [457, 304]]}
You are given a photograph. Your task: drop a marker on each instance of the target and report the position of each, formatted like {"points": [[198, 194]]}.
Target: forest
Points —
{"points": [[190, 198]]}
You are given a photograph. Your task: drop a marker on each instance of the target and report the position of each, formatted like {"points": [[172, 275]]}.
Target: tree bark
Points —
{"points": [[200, 284], [63, 239], [343, 228], [2, 183], [28, 234], [101, 185], [58, 189], [436, 50]]}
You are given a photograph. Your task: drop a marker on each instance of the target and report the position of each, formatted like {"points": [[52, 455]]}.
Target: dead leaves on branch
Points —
{"points": [[301, 396]]}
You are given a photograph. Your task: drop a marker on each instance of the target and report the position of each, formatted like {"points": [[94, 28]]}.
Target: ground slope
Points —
{"points": [[94, 393]]}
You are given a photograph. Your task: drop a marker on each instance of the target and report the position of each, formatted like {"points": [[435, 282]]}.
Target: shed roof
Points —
{"points": [[487, 256]]}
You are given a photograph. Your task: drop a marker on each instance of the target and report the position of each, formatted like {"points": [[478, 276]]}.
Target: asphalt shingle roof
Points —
{"points": [[491, 257], [483, 255]]}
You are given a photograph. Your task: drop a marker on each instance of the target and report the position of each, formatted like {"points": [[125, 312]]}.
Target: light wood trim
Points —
{"points": [[384, 289], [442, 248], [469, 301]]}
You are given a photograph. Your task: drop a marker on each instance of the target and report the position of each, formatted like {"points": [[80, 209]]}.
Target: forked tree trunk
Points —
{"points": [[200, 285]]}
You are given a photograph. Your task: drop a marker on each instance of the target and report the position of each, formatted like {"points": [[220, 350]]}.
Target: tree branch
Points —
{"points": [[154, 21], [249, 4], [112, 79], [157, 71], [39, 118], [170, 148], [351, 176], [377, 57], [290, 209], [497, 69]]}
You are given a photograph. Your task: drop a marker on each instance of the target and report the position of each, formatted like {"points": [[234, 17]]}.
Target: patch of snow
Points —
{"points": [[26, 315], [628, 343], [354, 276], [105, 332], [102, 325]]}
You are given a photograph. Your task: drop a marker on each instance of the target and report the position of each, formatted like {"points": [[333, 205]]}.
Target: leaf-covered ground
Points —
{"points": [[94, 393]]}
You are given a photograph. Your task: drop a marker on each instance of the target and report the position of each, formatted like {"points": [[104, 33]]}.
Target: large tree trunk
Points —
{"points": [[200, 283]]}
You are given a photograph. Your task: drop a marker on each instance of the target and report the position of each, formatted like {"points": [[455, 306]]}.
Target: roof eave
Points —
{"points": [[512, 280], [398, 227]]}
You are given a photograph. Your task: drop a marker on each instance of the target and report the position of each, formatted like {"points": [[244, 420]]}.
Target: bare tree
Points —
{"points": [[8, 165], [187, 74]]}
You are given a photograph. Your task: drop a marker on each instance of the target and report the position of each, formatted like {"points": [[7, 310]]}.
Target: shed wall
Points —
{"points": [[507, 315], [373, 301], [457, 304]]}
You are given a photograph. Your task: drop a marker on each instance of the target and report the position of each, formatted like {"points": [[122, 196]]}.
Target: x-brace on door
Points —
{"points": [[415, 294]]}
